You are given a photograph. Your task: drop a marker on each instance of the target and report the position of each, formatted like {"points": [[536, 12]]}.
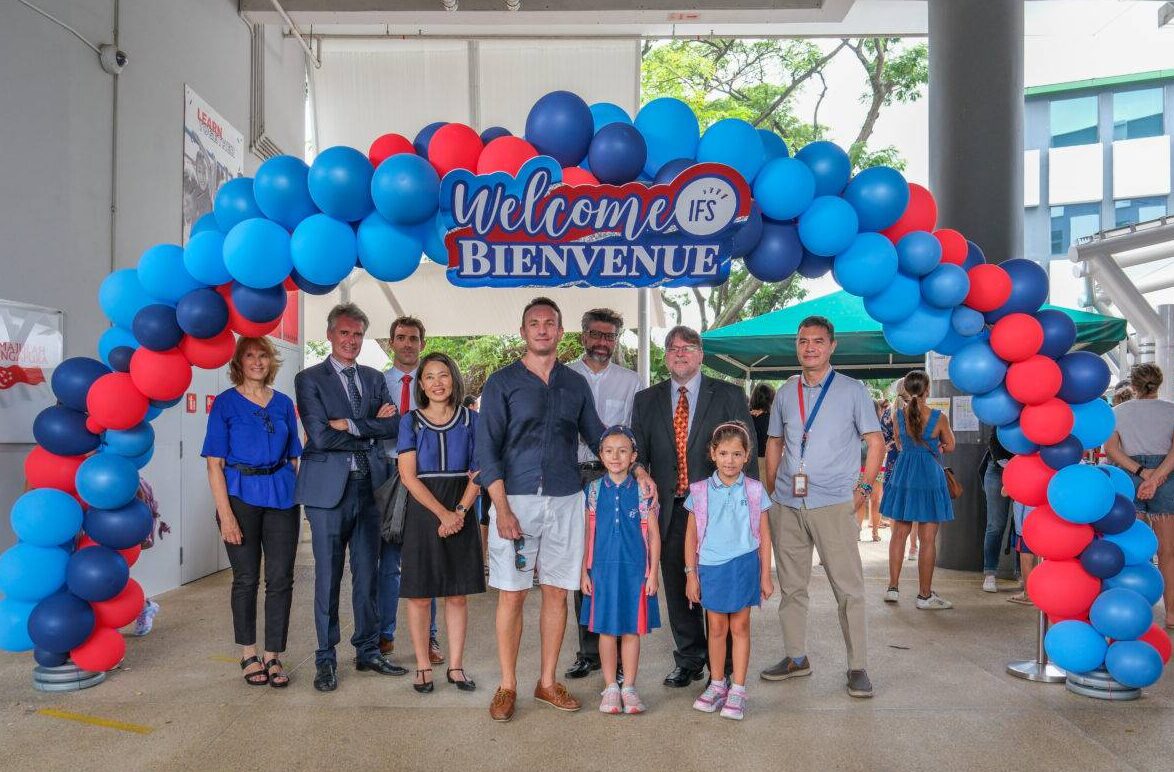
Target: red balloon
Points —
{"points": [[130, 554], [505, 154], [1026, 479], [1034, 380], [954, 246], [160, 375], [1048, 422], [574, 175], [1062, 588], [103, 650], [246, 327], [1016, 337], [1157, 637], [209, 353], [1052, 537], [921, 214], [115, 402], [93, 427], [122, 609], [387, 146], [43, 469], [990, 287], [454, 146]]}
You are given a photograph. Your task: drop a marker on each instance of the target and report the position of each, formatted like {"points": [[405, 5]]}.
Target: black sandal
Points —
{"points": [[278, 680], [257, 677], [466, 684], [424, 687]]}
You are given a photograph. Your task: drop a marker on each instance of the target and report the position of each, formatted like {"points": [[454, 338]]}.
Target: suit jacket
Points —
{"points": [[326, 459], [652, 423]]}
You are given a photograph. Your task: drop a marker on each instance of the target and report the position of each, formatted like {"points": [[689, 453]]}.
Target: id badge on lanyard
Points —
{"points": [[799, 480]]}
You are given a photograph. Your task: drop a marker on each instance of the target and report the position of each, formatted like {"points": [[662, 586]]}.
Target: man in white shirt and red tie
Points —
{"points": [[407, 341]]}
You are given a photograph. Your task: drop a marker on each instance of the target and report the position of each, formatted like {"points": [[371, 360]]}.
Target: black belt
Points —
{"points": [[256, 471]]}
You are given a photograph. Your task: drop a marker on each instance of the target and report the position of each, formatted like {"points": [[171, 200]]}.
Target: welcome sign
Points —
{"points": [[536, 231]]}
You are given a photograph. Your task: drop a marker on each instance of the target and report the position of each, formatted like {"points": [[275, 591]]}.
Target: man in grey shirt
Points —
{"points": [[813, 474]]}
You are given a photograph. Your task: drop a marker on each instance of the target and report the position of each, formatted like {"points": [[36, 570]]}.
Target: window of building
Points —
{"points": [[1073, 222], [1074, 121], [1137, 113], [1134, 210]]}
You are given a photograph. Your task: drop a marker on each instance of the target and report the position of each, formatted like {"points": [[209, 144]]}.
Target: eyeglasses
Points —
{"points": [[597, 335], [519, 558], [264, 416], [690, 349]]}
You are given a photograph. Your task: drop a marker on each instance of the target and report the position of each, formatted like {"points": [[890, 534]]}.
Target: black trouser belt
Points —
{"points": [[254, 471]]}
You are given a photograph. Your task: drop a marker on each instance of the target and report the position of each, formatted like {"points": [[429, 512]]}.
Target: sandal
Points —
{"points": [[466, 684], [278, 680], [257, 677], [1021, 599], [424, 687]]}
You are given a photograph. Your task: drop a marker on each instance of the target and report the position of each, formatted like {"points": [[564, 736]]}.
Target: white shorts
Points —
{"points": [[552, 527]]}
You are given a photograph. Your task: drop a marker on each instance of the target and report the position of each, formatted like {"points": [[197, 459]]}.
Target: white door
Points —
{"points": [[202, 549]]}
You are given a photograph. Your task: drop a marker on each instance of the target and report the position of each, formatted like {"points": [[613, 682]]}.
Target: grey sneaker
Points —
{"points": [[787, 669], [858, 684]]}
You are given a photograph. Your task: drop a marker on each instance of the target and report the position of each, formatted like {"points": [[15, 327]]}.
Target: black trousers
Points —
{"points": [[588, 641], [272, 533], [688, 624]]}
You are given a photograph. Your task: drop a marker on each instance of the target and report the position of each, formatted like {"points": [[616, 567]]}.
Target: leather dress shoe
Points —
{"points": [[326, 679], [381, 665], [581, 668], [681, 677]]}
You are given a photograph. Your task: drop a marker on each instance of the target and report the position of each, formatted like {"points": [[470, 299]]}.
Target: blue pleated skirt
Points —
{"points": [[731, 586]]}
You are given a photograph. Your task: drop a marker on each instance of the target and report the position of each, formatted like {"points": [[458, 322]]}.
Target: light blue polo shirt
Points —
{"points": [[832, 462], [727, 529]]}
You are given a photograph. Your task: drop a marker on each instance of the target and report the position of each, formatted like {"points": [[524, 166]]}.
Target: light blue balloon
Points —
{"points": [[1013, 439], [953, 342], [1143, 578], [203, 258], [282, 192], [1121, 614], [921, 332], [405, 189], [45, 517], [977, 369], [256, 253], [896, 301], [431, 234], [773, 144], [1138, 542], [1075, 646], [920, 252], [945, 286], [388, 252], [204, 223], [14, 625], [163, 275], [1080, 493], [130, 442], [735, 143], [143, 459], [1135, 664], [670, 130], [879, 195], [1122, 482], [829, 225], [1093, 423], [784, 188], [829, 163], [112, 339], [107, 480], [323, 249], [340, 183], [997, 407], [866, 267], [603, 113], [235, 203], [967, 321], [121, 296], [30, 573]]}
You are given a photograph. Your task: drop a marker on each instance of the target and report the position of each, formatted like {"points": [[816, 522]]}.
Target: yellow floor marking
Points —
{"points": [[95, 721], [222, 658]]}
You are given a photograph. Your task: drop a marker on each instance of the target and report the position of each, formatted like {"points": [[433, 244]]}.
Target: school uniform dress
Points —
{"points": [[917, 491], [728, 519]]}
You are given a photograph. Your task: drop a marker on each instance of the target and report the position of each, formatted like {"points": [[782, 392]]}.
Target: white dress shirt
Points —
{"points": [[395, 386], [614, 389]]}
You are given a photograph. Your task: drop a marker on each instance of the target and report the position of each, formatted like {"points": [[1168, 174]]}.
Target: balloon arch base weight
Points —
{"points": [[1040, 672], [1099, 685], [66, 678]]}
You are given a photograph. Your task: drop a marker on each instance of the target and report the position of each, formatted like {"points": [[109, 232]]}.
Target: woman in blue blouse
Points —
{"points": [[441, 556], [252, 448]]}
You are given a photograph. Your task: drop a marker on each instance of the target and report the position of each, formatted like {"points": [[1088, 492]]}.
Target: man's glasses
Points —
{"points": [[519, 558], [690, 349], [597, 335]]}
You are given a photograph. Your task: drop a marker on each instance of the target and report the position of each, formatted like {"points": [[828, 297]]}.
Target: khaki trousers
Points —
{"points": [[833, 531]]}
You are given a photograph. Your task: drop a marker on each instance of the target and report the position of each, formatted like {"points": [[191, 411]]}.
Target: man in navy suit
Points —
{"points": [[346, 410]]}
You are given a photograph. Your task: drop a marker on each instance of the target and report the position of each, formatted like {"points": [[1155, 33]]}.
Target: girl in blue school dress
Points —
{"points": [[620, 567]]}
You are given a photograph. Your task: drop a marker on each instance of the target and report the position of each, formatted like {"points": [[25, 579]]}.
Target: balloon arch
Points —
{"points": [[66, 582]]}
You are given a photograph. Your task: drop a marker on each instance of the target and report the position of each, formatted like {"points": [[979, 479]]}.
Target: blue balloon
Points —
{"points": [[96, 573], [259, 305], [670, 131], [71, 380], [617, 154], [388, 252], [164, 403], [1138, 542], [155, 327], [1012, 438], [430, 234], [282, 191], [405, 189], [487, 136], [879, 195], [923, 330], [61, 622], [202, 313], [309, 287], [120, 528], [323, 249], [974, 256], [733, 142], [1059, 332], [945, 286], [113, 339], [134, 441], [896, 301], [1143, 578], [830, 165], [746, 238], [45, 517], [812, 266], [1080, 494], [340, 185], [919, 253], [1120, 518], [777, 254], [1066, 452], [143, 459], [424, 137], [784, 188], [967, 321], [1121, 614], [953, 342], [1075, 646], [1122, 482], [29, 572], [256, 253], [203, 258], [235, 203], [866, 267], [996, 407], [205, 223], [829, 225], [119, 359], [1102, 559], [62, 430], [560, 125], [604, 113], [671, 169], [107, 480], [1135, 664], [977, 369], [14, 625], [1086, 376], [1094, 422], [1029, 288], [773, 144], [121, 295], [48, 658]]}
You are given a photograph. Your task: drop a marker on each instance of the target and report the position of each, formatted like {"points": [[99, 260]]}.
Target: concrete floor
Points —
{"points": [[942, 701]]}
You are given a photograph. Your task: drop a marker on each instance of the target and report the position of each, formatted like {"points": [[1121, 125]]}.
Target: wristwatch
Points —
{"points": [[1137, 472], [864, 488], [461, 509]]}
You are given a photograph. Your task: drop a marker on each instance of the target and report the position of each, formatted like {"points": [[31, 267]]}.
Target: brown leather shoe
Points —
{"points": [[434, 655], [556, 696], [502, 707], [386, 646]]}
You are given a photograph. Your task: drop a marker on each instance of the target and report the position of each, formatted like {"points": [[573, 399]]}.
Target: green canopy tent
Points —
{"points": [[764, 347]]}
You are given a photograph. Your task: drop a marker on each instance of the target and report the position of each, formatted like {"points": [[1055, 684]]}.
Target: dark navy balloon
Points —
{"points": [[1102, 559], [202, 313], [72, 379], [62, 431], [1120, 517], [259, 305], [61, 622], [1064, 453], [120, 358], [1059, 332], [156, 327], [1086, 376], [423, 139], [746, 238]]}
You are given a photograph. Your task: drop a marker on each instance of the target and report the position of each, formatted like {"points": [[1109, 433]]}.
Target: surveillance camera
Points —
{"points": [[113, 60]]}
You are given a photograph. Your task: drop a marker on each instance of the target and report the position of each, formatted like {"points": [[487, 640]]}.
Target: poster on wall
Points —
{"points": [[213, 153], [31, 345]]}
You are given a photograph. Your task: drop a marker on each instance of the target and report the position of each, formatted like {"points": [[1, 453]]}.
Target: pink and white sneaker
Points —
{"points": [[735, 706], [631, 700], [611, 703], [712, 699]]}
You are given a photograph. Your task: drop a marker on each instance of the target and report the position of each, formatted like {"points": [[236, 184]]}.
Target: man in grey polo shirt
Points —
{"points": [[813, 472]]}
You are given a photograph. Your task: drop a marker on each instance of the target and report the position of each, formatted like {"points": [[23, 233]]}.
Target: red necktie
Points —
{"points": [[681, 440], [405, 395]]}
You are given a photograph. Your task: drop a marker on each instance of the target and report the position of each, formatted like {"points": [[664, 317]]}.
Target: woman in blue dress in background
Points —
{"points": [[915, 491]]}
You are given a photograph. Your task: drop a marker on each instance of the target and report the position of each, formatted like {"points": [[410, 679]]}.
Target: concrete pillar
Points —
{"points": [[976, 175]]}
